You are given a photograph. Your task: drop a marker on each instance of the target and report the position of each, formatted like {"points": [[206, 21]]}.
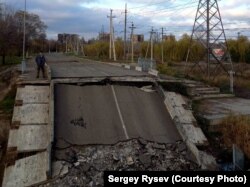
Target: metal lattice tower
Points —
{"points": [[208, 31]]}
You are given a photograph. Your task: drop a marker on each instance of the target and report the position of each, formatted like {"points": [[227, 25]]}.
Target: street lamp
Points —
{"points": [[24, 32]]}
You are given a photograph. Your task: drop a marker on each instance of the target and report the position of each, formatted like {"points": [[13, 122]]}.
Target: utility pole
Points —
{"points": [[113, 42], [111, 37], [49, 46], [66, 43], [238, 35], [132, 41], [1, 11], [152, 43], [162, 56], [77, 45], [125, 31], [24, 39]]}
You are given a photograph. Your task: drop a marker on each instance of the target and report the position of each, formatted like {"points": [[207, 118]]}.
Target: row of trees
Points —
{"points": [[11, 41], [11, 33], [173, 50], [240, 49]]}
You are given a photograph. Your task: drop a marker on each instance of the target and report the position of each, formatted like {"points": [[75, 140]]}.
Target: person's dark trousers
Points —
{"points": [[40, 67]]}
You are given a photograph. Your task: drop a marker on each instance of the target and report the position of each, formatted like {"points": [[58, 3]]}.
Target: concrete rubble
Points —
{"points": [[87, 163]]}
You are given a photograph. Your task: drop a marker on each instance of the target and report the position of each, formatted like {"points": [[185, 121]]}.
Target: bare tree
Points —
{"points": [[35, 29], [8, 34]]}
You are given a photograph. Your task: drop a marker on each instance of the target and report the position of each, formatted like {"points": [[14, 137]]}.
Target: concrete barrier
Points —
{"points": [[29, 135], [153, 72], [190, 133], [127, 66], [137, 68], [48, 71], [51, 129]]}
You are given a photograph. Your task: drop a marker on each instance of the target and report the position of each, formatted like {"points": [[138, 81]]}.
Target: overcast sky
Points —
{"points": [[87, 17]]}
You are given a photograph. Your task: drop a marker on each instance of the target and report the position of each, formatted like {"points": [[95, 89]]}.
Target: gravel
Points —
{"points": [[87, 163]]}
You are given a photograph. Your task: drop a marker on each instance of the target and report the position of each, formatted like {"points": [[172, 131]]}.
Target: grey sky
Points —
{"points": [[86, 17]]}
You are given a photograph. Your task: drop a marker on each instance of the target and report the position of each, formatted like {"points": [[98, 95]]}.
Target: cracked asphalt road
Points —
{"points": [[108, 114]]}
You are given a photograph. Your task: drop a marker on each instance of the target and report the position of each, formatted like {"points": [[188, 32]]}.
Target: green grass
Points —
{"points": [[7, 104], [10, 60]]}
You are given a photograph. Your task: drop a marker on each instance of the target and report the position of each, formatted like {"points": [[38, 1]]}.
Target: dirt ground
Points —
{"points": [[7, 84]]}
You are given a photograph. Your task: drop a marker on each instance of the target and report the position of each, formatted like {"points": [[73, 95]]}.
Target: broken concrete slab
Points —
{"points": [[127, 66], [175, 105], [175, 99], [185, 116], [27, 171], [208, 161], [31, 114], [210, 96], [59, 168], [193, 91], [170, 108], [137, 68], [185, 119], [153, 72], [195, 135], [33, 94], [29, 138], [191, 135], [215, 110]]}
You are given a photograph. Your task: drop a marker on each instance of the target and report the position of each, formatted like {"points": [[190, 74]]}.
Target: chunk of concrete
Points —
{"points": [[29, 138], [127, 66], [208, 162], [214, 111], [137, 68], [31, 114], [195, 135], [175, 99], [33, 94], [153, 72], [59, 168], [27, 171]]}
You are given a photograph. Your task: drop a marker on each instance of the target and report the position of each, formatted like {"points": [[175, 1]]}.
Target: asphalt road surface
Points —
{"points": [[70, 67], [105, 114], [108, 114]]}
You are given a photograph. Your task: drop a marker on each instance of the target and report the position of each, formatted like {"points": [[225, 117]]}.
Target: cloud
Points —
{"points": [[86, 17]]}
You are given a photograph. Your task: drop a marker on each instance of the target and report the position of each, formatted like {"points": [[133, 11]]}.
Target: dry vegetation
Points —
{"points": [[236, 130], [7, 97], [221, 80]]}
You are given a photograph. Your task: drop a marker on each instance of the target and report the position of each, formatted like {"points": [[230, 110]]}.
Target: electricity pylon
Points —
{"points": [[208, 32]]}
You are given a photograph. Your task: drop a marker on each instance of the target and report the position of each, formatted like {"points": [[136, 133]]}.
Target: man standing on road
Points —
{"points": [[40, 61]]}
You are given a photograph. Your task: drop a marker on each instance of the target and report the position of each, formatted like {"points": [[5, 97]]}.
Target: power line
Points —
{"points": [[150, 4], [171, 8]]}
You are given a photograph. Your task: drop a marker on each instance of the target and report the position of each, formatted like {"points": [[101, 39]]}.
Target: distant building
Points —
{"points": [[68, 42], [137, 38], [169, 38], [104, 36], [62, 38]]}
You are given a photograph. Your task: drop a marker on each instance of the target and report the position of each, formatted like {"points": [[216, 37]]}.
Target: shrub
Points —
{"points": [[236, 130]]}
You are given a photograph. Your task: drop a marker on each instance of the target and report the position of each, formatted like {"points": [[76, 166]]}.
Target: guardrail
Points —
{"points": [[146, 64]]}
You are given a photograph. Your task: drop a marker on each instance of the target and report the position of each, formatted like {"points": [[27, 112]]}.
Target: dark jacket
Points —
{"points": [[40, 60]]}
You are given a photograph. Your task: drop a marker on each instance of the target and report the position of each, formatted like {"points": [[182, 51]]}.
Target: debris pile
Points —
{"points": [[84, 165]]}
